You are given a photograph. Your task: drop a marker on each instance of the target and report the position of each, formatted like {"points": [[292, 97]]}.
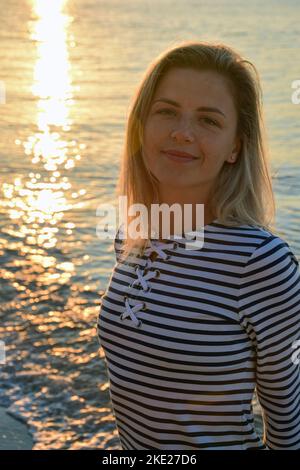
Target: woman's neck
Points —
{"points": [[188, 223]]}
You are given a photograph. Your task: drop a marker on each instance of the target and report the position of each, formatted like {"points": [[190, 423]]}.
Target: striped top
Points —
{"points": [[188, 335]]}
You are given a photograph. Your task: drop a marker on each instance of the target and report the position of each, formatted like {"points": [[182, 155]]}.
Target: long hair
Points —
{"points": [[243, 193]]}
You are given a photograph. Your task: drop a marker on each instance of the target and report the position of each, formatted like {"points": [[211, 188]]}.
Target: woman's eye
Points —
{"points": [[210, 121], [165, 110]]}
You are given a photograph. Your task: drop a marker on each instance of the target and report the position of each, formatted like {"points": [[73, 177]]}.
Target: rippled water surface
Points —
{"points": [[70, 69]]}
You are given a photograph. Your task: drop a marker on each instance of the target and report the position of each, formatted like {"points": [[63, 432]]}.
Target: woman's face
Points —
{"points": [[209, 135]]}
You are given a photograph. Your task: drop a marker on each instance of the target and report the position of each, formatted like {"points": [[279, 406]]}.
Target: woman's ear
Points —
{"points": [[236, 150]]}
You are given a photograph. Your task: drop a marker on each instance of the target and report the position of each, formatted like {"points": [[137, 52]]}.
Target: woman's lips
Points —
{"points": [[181, 159]]}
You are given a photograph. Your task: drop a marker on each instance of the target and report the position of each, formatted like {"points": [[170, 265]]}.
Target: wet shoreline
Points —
{"points": [[14, 435]]}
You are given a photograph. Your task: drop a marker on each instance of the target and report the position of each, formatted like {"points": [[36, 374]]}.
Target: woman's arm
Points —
{"points": [[269, 306]]}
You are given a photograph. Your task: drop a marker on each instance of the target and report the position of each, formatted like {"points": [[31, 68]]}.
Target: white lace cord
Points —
{"points": [[144, 276], [130, 312], [157, 248], [142, 279]]}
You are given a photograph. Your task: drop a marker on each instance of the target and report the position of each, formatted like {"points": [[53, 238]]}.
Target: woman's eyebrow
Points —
{"points": [[201, 108]]}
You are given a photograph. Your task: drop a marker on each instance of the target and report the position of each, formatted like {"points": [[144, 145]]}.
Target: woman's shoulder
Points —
{"points": [[261, 242], [118, 241], [272, 248]]}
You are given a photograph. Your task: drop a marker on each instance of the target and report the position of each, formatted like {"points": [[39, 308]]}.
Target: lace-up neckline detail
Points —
{"points": [[153, 252]]}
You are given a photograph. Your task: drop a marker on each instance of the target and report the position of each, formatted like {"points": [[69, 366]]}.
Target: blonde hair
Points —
{"points": [[243, 193]]}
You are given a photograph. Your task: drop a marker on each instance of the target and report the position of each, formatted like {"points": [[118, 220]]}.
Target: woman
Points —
{"points": [[188, 335]]}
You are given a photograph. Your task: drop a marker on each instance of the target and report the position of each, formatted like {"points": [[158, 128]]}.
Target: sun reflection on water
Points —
{"points": [[49, 308], [37, 202]]}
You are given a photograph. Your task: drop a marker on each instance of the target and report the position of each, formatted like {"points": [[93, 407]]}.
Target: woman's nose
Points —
{"points": [[183, 132]]}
